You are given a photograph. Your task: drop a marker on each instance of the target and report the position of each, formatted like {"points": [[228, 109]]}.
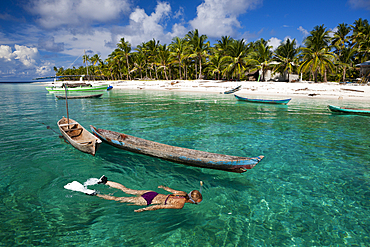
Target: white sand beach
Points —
{"points": [[253, 89]]}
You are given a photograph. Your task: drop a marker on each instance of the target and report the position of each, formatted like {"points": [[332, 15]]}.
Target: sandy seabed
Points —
{"points": [[252, 89]]}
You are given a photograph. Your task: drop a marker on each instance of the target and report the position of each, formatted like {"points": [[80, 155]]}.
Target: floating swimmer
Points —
{"points": [[152, 199]]}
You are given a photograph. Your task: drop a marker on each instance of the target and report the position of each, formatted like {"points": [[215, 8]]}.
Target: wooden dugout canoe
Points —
{"points": [[266, 101], [79, 96], [179, 155], [349, 110], [78, 136]]}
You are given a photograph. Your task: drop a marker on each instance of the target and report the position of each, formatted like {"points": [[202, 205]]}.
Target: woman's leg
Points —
{"points": [[125, 189], [134, 200]]}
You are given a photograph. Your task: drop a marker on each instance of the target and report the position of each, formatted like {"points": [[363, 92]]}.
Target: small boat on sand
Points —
{"points": [[233, 90], [79, 96], [265, 101], [179, 155], [346, 110], [78, 136]]}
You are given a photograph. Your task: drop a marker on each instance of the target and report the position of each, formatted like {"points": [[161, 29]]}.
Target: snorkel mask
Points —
{"points": [[200, 190]]}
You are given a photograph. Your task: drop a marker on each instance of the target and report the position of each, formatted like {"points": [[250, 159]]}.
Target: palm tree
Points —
{"points": [[319, 38], [261, 56], [316, 61], [217, 64], [237, 58], [164, 59], [199, 48], [94, 60], [151, 47], [286, 56], [144, 55], [125, 48], [317, 55], [224, 44], [345, 60], [361, 39], [139, 62], [340, 38], [118, 56], [180, 49]]}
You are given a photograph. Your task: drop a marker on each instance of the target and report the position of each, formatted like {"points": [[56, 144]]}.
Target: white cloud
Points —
{"points": [[274, 42], [6, 53], [220, 17], [23, 61], [27, 56], [179, 14], [76, 13], [143, 27], [303, 31], [358, 4]]}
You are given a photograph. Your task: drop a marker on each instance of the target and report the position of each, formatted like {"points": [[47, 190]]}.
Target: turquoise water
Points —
{"points": [[311, 189]]}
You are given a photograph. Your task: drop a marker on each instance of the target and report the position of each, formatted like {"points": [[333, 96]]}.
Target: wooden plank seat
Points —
{"points": [[62, 125], [67, 130], [84, 143]]}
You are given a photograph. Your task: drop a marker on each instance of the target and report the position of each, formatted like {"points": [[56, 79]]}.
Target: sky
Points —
{"points": [[36, 35]]}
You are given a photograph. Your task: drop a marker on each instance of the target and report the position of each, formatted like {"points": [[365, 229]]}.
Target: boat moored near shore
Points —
{"points": [[79, 87], [346, 110], [265, 101]]}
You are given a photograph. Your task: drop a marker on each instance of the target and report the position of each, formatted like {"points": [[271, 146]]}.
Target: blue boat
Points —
{"points": [[349, 110], [179, 155], [265, 101]]}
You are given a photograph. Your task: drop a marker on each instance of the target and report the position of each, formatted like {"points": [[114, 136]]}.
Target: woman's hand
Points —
{"points": [[161, 187]]}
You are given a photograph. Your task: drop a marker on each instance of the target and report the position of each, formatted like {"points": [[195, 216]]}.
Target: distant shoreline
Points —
{"points": [[332, 90]]}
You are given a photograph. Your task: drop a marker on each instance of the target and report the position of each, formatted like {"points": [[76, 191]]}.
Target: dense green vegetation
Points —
{"points": [[324, 56]]}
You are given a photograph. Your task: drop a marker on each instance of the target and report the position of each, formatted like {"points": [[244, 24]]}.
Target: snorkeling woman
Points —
{"points": [[152, 199]]}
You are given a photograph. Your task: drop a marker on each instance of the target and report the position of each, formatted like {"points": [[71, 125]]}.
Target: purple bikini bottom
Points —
{"points": [[149, 196]]}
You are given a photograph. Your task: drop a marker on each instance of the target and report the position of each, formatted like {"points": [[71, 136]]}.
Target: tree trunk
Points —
{"points": [[180, 68], [200, 67], [344, 74]]}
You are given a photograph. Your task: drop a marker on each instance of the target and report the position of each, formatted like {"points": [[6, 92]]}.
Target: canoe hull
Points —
{"points": [[78, 136], [77, 89], [264, 101], [177, 154], [79, 97], [344, 110]]}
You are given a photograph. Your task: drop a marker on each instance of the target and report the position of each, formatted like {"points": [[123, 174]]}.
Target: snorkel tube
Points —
{"points": [[200, 190]]}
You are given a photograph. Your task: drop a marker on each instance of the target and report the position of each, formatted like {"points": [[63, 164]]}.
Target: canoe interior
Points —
{"points": [[78, 136]]}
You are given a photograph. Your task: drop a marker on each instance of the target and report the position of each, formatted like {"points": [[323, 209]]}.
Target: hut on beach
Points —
{"points": [[364, 71], [364, 68]]}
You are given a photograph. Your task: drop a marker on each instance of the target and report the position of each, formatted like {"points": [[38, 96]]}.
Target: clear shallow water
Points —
{"points": [[311, 189]]}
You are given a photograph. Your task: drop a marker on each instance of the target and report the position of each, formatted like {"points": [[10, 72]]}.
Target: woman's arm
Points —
{"points": [[176, 192], [156, 207]]}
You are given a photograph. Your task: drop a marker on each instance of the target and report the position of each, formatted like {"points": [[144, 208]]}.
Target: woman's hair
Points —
{"points": [[196, 195]]}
